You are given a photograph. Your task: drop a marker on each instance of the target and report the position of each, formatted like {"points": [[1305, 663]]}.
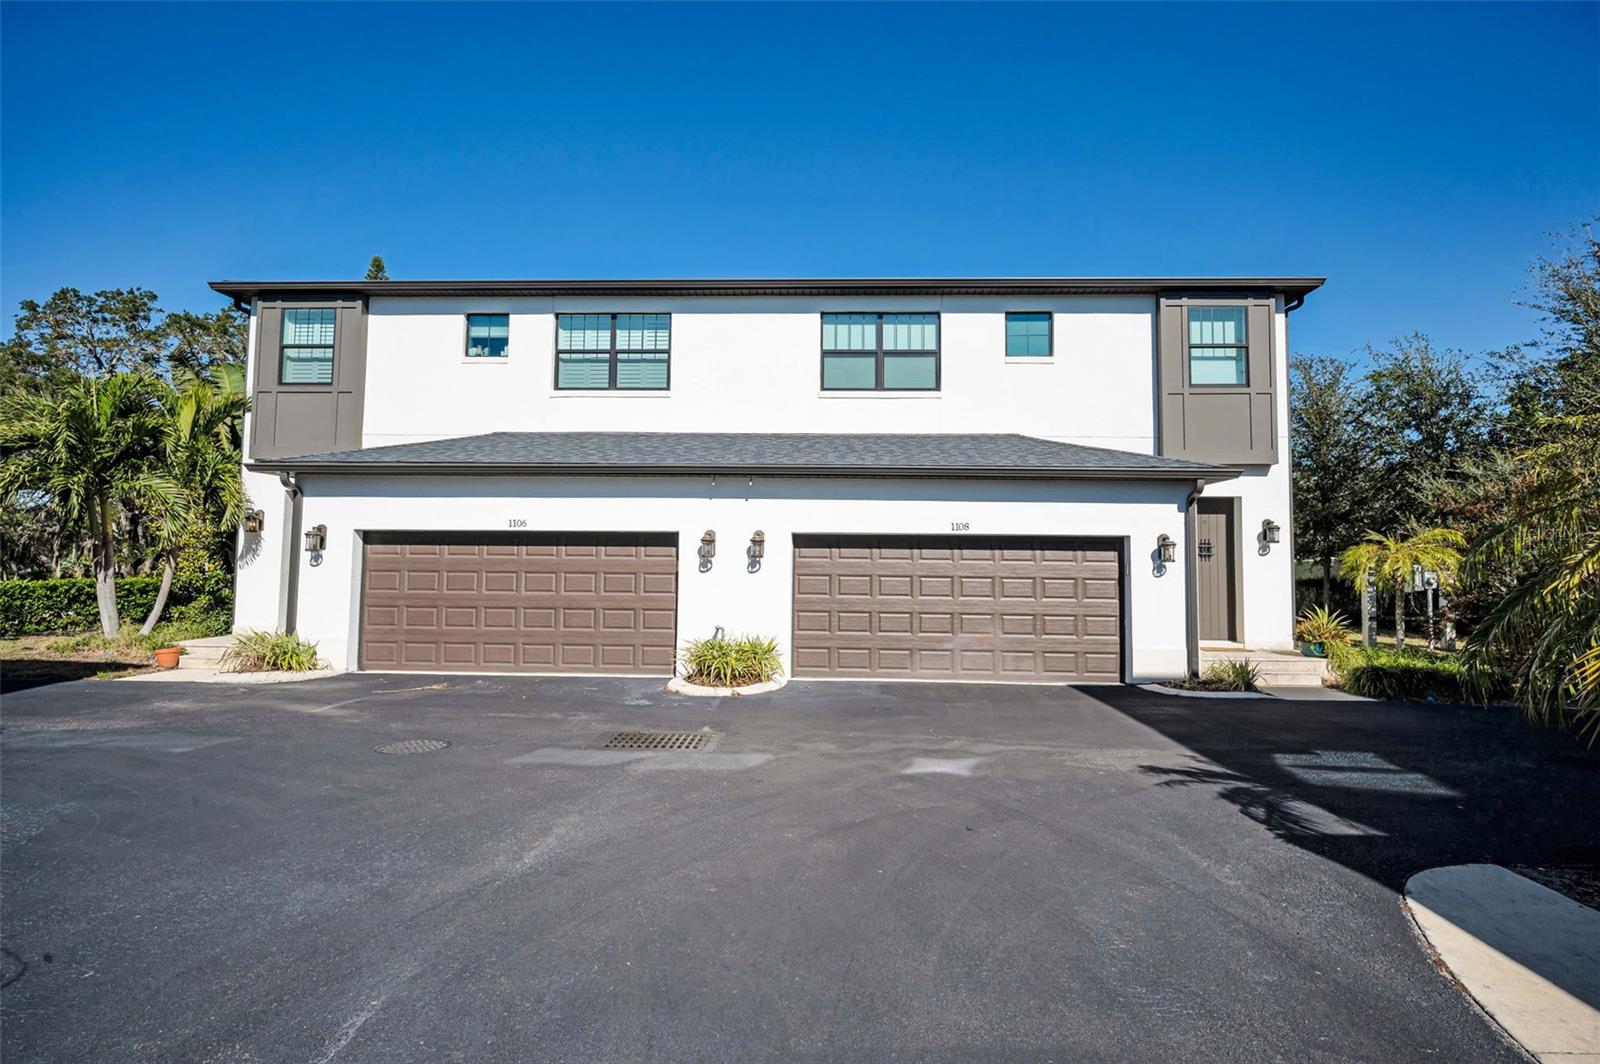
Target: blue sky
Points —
{"points": [[1419, 156]]}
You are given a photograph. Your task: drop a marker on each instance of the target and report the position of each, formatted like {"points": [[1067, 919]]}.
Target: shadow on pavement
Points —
{"points": [[1386, 788], [23, 674]]}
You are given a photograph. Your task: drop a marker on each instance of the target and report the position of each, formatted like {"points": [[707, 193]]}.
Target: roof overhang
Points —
{"points": [[1202, 474], [1291, 287]]}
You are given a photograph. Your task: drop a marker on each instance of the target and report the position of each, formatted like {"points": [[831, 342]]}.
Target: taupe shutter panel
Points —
{"points": [[298, 419], [1236, 425]]}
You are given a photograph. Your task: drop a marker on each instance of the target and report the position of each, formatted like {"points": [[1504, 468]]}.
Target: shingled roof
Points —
{"points": [[1002, 455]]}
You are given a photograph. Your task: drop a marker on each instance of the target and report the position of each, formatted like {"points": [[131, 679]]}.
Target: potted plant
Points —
{"points": [[1318, 628], [167, 657]]}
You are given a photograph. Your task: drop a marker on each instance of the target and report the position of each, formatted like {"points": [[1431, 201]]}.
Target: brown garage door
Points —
{"points": [[957, 608], [568, 602]]}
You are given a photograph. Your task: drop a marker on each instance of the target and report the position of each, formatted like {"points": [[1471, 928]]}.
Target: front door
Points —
{"points": [[1216, 567]]}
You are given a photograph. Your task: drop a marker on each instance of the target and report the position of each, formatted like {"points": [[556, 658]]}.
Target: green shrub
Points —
{"points": [[718, 662], [1412, 673], [271, 652], [45, 607]]}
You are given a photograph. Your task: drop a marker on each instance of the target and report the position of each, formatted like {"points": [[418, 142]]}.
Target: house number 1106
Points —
{"points": [[517, 522]]}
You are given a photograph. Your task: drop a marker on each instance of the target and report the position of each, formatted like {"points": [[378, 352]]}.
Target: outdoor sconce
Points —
{"points": [[708, 545], [758, 545], [1168, 548], [317, 538], [255, 520], [1270, 531]]}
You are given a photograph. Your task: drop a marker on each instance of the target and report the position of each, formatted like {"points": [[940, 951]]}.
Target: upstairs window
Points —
{"points": [[620, 351], [488, 335], [1218, 345], [880, 352], [1028, 335], [307, 350]]}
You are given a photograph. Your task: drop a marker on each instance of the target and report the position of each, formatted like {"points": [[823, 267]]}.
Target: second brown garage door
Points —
{"points": [[957, 608], [567, 602]]}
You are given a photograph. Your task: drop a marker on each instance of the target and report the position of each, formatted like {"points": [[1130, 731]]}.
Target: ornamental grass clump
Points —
{"points": [[724, 662], [1230, 675], [271, 652]]}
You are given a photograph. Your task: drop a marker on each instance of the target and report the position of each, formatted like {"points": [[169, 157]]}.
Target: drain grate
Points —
{"points": [[655, 740], [412, 746]]}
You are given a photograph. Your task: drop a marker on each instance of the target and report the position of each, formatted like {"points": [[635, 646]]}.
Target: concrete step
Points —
{"points": [[204, 653], [1268, 678], [1275, 668]]}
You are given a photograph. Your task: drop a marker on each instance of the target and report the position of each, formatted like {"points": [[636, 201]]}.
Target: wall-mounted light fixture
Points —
{"points": [[254, 521], [1270, 532], [317, 538], [708, 545], [758, 545], [1168, 548]]}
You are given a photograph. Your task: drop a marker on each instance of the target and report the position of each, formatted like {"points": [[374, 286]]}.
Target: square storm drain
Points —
{"points": [[655, 740]]}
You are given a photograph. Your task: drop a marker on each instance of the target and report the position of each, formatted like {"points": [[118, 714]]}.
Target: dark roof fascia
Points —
{"points": [[1190, 474], [873, 286]]}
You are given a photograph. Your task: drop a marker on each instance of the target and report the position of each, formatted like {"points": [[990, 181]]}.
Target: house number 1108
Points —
{"points": [[960, 526]]}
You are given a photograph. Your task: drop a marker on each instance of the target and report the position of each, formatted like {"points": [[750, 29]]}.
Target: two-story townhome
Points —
{"points": [[1039, 479]]}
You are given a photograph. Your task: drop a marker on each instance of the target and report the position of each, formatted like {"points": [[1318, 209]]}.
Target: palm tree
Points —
{"points": [[1391, 562], [94, 443], [203, 417], [1548, 624]]}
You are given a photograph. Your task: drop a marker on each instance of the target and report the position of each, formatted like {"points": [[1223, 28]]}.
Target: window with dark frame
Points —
{"points": [[880, 352], [306, 350], [1219, 346], [613, 351], [1028, 334], [488, 335]]}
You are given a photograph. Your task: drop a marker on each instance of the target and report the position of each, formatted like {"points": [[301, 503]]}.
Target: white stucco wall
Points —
{"points": [[728, 595], [752, 365]]}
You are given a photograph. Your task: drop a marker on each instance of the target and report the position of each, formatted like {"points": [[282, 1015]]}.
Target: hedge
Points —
{"points": [[46, 607], [1394, 674]]}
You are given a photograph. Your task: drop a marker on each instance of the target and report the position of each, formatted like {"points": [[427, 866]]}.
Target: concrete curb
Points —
{"points": [[1527, 955], [683, 687], [1173, 691]]}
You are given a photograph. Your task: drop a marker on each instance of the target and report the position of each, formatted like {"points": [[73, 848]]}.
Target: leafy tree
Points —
{"points": [[1424, 413], [201, 452], [1392, 561], [1547, 626], [92, 335], [95, 444], [1331, 461], [1543, 547], [376, 270], [201, 342], [32, 543]]}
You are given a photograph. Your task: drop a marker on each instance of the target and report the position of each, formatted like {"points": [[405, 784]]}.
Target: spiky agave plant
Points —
{"points": [[270, 652]]}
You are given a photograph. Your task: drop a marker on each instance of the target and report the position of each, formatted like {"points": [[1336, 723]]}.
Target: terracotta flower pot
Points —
{"points": [[167, 657]]}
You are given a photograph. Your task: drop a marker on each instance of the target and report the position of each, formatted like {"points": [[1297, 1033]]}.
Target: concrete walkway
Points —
{"points": [[1528, 955], [217, 676]]}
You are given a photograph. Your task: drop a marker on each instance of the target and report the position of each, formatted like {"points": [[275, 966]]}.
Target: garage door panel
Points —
{"points": [[591, 602], [998, 608]]}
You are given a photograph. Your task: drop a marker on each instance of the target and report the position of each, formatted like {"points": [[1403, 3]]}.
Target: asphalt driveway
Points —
{"points": [[848, 872]]}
